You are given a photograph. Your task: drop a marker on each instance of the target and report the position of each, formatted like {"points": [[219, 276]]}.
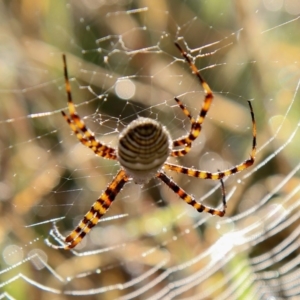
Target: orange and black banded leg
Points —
{"points": [[98, 209], [221, 174], [197, 125], [99, 148], [209, 175], [191, 200], [187, 148]]}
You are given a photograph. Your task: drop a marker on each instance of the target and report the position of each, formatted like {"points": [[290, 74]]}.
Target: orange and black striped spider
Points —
{"points": [[143, 149]]}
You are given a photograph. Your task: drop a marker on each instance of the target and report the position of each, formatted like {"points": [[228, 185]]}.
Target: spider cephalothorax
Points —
{"points": [[143, 148]]}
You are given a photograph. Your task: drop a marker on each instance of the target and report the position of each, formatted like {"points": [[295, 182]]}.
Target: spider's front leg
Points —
{"points": [[98, 209], [190, 199]]}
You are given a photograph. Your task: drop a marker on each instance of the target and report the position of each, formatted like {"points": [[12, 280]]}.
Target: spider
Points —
{"points": [[143, 149]]}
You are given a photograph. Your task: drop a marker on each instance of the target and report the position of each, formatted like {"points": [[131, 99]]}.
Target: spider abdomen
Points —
{"points": [[144, 146]]}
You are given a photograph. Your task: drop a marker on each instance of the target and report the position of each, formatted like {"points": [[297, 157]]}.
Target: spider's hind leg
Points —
{"points": [[77, 125], [196, 125], [221, 173]]}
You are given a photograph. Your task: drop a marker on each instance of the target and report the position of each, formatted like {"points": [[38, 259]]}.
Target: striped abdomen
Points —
{"points": [[144, 146]]}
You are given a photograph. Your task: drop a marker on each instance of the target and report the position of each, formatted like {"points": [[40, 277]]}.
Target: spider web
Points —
{"points": [[123, 64]]}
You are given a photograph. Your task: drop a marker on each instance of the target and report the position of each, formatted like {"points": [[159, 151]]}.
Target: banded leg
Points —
{"points": [[98, 209], [187, 148], [220, 174], [197, 125], [78, 124], [191, 200], [105, 152]]}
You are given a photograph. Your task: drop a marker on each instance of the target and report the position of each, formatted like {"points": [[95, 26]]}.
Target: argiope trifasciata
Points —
{"points": [[143, 149]]}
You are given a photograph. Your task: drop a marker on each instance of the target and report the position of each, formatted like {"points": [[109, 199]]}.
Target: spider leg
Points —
{"points": [[220, 174], [99, 149], [187, 148], [88, 138], [197, 125], [185, 111], [190, 199], [98, 209]]}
